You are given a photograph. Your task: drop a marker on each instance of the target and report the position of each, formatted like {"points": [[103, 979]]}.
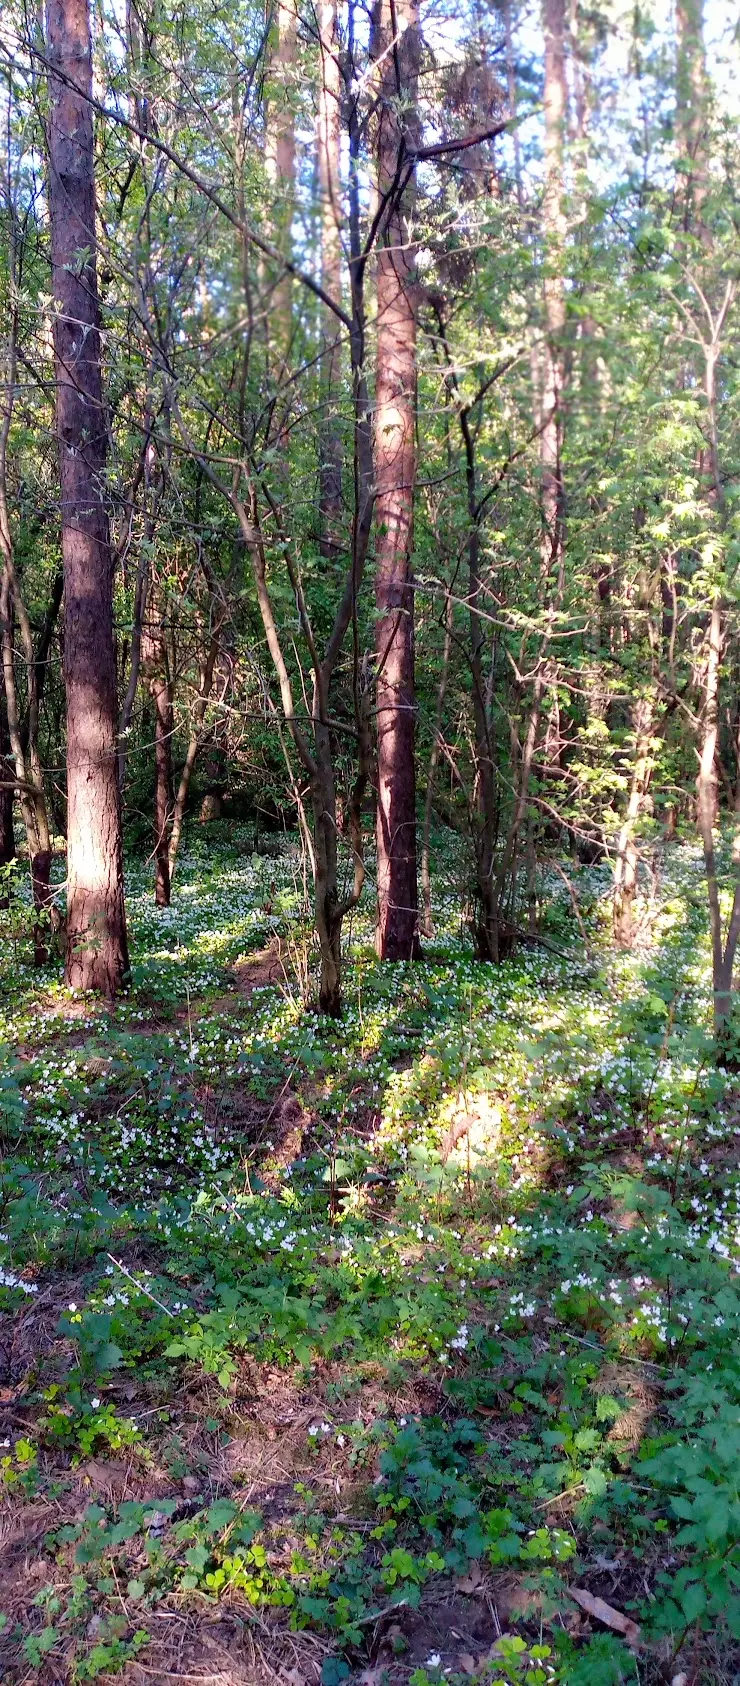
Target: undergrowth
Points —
{"points": [[462, 1268]]}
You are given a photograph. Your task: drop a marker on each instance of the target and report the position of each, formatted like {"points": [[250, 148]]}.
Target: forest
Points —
{"points": [[370, 842]]}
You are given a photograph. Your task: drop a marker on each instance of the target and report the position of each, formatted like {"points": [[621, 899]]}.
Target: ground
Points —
{"points": [[395, 1350]]}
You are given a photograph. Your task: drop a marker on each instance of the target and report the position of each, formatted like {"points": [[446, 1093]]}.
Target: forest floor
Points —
{"points": [[396, 1350]]}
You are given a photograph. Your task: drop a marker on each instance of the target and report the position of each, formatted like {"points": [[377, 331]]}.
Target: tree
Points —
{"points": [[97, 954], [328, 133], [396, 50]]}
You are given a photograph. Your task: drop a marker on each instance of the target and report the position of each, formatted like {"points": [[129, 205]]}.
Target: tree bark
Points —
{"points": [[97, 953], [554, 230], [329, 131], [162, 699], [397, 50]]}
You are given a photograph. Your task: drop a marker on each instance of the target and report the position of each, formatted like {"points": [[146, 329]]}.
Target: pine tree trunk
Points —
{"points": [[97, 955], [397, 49]]}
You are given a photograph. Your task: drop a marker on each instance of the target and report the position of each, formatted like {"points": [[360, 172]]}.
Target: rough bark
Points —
{"points": [[97, 955], [397, 51]]}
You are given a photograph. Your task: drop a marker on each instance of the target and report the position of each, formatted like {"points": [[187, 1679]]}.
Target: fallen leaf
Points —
{"points": [[606, 1614], [104, 1473], [467, 1663]]}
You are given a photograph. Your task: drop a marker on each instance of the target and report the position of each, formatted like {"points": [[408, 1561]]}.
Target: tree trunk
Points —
{"points": [[397, 48], [427, 922], [691, 102], [42, 903], [330, 440], [162, 698], [326, 883], [487, 929], [625, 868], [97, 954], [280, 160], [554, 230], [7, 834], [199, 712]]}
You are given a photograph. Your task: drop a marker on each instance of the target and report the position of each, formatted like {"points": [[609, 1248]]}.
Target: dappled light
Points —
{"points": [[428, 1292], [369, 843]]}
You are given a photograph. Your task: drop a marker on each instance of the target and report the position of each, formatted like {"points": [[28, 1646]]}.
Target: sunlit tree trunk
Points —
{"points": [[397, 51], [97, 955]]}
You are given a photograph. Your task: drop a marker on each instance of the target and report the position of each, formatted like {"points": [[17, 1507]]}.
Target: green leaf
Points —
{"points": [[693, 1600]]}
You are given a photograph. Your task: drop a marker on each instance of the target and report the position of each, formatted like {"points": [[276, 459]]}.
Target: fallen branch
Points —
{"points": [[606, 1614]]}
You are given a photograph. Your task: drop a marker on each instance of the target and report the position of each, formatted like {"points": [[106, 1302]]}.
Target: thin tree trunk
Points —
{"points": [[625, 868], [488, 921], [7, 834], [554, 231], [127, 709], [280, 159], [328, 136], [691, 105], [162, 699], [24, 749], [97, 953], [199, 711], [427, 924], [397, 48]]}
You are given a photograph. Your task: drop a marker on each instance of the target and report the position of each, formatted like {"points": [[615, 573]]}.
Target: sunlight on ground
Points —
{"points": [[484, 1231]]}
